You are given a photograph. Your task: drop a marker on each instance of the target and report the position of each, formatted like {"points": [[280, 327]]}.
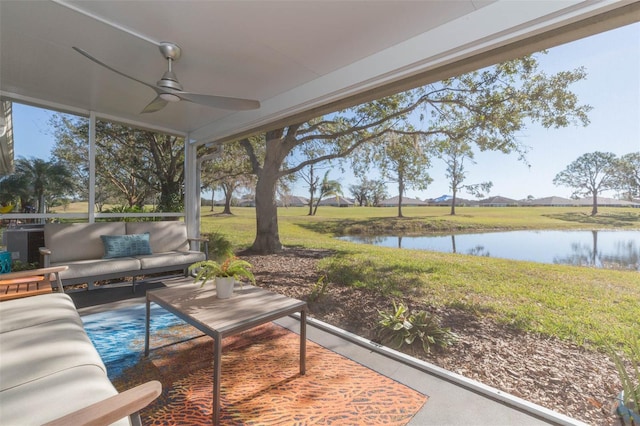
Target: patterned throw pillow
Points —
{"points": [[125, 245]]}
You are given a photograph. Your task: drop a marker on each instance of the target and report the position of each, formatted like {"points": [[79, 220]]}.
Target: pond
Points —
{"points": [[600, 249]]}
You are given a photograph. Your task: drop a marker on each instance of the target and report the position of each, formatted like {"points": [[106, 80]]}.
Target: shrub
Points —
{"points": [[219, 246], [399, 327], [630, 378], [319, 289]]}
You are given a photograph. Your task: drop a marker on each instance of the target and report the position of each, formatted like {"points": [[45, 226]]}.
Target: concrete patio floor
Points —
{"points": [[453, 399]]}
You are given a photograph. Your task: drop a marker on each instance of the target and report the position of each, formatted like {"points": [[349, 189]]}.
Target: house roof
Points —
{"points": [[498, 200], [550, 201], [406, 201], [604, 201], [335, 201], [299, 59]]}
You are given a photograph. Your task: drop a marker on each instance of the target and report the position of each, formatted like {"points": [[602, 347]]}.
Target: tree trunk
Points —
{"points": [[400, 193], [594, 210], [267, 237], [227, 201], [453, 203]]}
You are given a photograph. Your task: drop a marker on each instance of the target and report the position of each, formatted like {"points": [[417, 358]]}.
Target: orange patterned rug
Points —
{"points": [[261, 384]]}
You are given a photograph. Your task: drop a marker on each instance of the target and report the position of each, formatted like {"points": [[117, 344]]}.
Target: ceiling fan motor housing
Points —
{"points": [[171, 52]]}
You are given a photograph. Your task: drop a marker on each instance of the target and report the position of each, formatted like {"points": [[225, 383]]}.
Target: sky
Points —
{"points": [[612, 88]]}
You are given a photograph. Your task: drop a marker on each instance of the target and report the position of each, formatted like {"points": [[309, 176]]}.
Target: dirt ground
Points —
{"points": [[554, 374]]}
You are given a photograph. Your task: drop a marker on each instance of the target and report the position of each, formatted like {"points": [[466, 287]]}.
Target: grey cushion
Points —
{"points": [[99, 267], [162, 260], [164, 236], [78, 241]]}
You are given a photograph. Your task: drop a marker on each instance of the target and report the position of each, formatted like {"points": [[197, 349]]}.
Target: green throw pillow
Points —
{"points": [[125, 245]]}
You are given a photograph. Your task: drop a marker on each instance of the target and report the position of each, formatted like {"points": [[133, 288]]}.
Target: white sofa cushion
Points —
{"points": [[164, 236], [19, 313], [78, 241], [56, 395], [31, 353]]}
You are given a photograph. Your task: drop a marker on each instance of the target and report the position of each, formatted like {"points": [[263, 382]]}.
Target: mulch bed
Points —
{"points": [[555, 374]]}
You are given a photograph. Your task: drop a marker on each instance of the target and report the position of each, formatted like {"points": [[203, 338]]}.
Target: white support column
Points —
{"points": [[191, 189], [92, 167], [199, 162]]}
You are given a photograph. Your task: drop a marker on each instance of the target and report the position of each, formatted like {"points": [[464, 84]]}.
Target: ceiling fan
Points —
{"points": [[169, 89]]}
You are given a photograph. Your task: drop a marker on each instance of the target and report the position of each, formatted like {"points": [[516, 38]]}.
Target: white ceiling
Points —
{"points": [[298, 58]]}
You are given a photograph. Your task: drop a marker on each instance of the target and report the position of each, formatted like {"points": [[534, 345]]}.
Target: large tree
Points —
{"points": [[500, 101], [454, 151], [402, 158], [228, 170], [368, 192], [590, 174], [628, 176], [135, 164]]}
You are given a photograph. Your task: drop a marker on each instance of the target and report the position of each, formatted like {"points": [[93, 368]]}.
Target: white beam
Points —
{"points": [[191, 190], [92, 167]]}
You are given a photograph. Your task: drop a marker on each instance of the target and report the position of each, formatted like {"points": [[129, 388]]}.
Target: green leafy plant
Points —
{"points": [[319, 289], [232, 267], [399, 327], [23, 266], [219, 246], [630, 379]]}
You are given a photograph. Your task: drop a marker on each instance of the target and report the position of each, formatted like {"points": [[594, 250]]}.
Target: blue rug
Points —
{"points": [[118, 335], [261, 384]]}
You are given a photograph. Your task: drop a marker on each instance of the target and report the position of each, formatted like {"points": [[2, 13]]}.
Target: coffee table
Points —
{"points": [[248, 307]]}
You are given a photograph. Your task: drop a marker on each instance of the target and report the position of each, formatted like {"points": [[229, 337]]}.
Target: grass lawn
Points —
{"points": [[591, 307]]}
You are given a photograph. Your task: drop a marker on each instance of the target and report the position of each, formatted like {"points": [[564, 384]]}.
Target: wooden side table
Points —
{"points": [[15, 285]]}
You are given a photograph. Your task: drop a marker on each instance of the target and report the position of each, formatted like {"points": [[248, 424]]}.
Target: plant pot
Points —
{"points": [[224, 287], [629, 415]]}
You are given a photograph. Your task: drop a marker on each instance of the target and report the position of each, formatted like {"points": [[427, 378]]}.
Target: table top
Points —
{"points": [[246, 308]]}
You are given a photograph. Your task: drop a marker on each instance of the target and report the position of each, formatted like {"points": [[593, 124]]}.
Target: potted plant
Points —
{"points": [[224, 274]]}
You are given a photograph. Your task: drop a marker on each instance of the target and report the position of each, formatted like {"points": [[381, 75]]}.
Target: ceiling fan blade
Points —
{"points": [[155, 105], [219, 101], [97, 61]]}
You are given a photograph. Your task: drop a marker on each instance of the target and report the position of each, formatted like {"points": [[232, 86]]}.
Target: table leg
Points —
{"points": [[217, 370], [146, 329], [303, 341]]}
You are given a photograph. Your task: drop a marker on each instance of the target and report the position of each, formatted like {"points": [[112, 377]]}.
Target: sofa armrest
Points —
{"points": [[114, 408], [45, 272], [201, 240], [45, 259]]}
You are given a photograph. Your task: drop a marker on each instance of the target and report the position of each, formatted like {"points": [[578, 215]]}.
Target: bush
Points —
{"points": [[219, 246], [399, 327]]}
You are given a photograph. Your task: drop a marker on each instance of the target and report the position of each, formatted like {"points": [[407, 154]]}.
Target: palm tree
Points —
{"points": [[35, 178], [328, 188]]}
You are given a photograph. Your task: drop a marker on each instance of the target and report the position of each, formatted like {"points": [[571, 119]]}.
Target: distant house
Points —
{"points": [[552, 201], [337, 202], [442, 199], [608, 202], [406, 201], [498, 201], [446, 200], [246, 202], [293, 201]]}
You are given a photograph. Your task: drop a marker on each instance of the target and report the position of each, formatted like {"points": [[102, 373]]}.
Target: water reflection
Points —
{"points": [[600, 249]]}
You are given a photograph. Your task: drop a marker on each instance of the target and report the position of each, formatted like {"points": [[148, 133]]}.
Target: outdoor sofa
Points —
{"points": [[110, 250], [51, 372]]}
